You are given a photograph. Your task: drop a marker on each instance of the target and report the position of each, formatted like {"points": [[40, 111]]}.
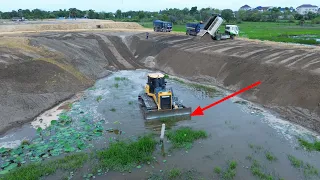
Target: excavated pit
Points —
{"points": [[40, 70]]}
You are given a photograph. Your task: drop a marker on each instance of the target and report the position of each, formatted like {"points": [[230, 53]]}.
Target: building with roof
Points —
{"points": [[263, 9], [305, 8], [245, 8]]}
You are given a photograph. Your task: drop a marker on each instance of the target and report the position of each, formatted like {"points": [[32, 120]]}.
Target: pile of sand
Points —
{"points": [[69, 26]]}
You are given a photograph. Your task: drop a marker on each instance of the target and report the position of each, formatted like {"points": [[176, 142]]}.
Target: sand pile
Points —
{"points": [[70, 26]]}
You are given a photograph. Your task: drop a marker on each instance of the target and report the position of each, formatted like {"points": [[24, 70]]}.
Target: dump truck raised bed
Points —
{"points": [[212, 28]]}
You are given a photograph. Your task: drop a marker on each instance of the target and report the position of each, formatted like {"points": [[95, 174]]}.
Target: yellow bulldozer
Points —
{"points": [[157, 101]]}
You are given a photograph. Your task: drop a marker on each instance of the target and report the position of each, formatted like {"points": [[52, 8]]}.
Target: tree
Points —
{"points": [[73, 12], [298, 16], [227, 14], [141, 15], [193, 10], [102, 15], [118, 13]]}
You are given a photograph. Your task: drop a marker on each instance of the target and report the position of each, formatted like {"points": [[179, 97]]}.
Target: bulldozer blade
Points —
{"points": [[183, 113]]}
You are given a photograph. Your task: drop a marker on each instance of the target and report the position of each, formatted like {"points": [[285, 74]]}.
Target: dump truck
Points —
{"points": [[193, 28], [212, 28], [157, 101], [162, 26]]}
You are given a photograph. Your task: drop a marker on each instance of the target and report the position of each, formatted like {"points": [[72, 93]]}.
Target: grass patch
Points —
{"points": [[123, 156], [99, 98], [211, 91], [231, 171], [130, 102], [116, 85], [308, 169], [217, 170], [297, 163], [310, 146], [38, 170], [178, 80], [270, 156], [256, 170], [113, 110], [185, 136], [120, 78], [166, 76], [174, 173], [25, 142]]}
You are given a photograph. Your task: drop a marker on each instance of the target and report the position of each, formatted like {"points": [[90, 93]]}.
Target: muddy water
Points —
{"points": [[231, 126]]}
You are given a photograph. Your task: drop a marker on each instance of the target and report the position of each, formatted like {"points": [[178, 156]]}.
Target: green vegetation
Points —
{"points": [[231, 171], [295, 162], [166, 76], [37, 170], [113, 110], [120, 78], [185, 136], [217, 170], [270, 156], [210, 91], [256, 171], [280, 32], [99, 98], [310, 146], [308, 169], [123, 156], [25, 142], [116, 85], [130, 102], [174, 173]]}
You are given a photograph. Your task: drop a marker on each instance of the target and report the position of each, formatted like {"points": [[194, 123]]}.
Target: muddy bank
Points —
{"points": [[290, 76], [40, 70]]}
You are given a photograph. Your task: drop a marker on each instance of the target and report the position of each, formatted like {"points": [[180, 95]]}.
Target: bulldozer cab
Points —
{"points": [[156, 81]]}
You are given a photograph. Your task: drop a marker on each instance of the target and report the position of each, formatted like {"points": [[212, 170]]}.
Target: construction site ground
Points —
{"points": [[40, 70]]}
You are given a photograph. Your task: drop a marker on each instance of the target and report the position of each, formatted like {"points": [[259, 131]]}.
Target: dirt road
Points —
{"points": [[39, 70]]}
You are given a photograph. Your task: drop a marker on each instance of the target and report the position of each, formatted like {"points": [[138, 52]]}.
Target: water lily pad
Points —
{"points": [[4, 172], [11, 166], [54, 122], [5, 164]]}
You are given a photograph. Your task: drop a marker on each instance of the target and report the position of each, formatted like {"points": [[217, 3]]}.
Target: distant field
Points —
{"points": [[279, 32]]}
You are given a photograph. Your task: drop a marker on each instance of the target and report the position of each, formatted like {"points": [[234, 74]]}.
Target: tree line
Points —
{"points": [[177, 16]]}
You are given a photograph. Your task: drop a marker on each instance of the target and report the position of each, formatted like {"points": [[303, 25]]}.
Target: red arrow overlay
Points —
{"points": [[199, 110]]}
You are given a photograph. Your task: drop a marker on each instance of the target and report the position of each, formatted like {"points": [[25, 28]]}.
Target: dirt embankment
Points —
{"points": [[39, 70], [290, 76]]}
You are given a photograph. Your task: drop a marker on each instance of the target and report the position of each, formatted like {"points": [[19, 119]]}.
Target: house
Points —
{"points": [[245, 8], [305, 8], [262, 9]]}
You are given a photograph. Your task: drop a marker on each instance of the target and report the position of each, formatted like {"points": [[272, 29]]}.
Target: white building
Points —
{"points": [[305, 8]]}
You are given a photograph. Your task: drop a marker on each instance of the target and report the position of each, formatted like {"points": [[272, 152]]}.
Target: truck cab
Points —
{"points": [[232, 30], [194, 28]]}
